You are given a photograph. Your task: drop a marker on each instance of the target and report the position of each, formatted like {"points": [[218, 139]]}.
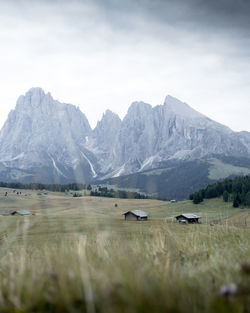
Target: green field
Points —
{"points": [[220, 170], [80, 255]]}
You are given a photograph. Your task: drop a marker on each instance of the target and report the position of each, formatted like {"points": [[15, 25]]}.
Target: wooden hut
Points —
{"points": [[136, 215], [21, 212], [188, 218]]}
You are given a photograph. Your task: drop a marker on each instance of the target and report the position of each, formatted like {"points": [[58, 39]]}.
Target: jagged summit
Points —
{"points": [[36, 91], [108, 121], [109, 115], [181, 108], [34, 97], [46, 135], [49, 141], [139, 107]]}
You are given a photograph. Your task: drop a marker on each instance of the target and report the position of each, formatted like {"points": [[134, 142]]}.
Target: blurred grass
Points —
{"points": [[81, 256]]}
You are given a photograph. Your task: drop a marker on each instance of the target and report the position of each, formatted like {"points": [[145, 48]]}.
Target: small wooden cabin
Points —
{"points": [[188, 218], [136, 215], [21, 212]]}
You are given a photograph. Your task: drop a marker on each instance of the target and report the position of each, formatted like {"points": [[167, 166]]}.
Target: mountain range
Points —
{"points": [[167, 150]]}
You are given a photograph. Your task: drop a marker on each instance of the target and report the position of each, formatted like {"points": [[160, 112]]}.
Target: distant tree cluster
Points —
{"points": [[111, 193], [236, 190], [77, 195], [100, 192], [50, 187]]}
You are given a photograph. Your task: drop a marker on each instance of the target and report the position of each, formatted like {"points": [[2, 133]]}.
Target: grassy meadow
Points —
{"points": [[79, 255]]}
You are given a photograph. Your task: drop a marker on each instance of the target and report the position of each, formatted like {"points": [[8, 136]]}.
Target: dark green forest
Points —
{"points": [[50, 187], [236, 190], [111, 193]]}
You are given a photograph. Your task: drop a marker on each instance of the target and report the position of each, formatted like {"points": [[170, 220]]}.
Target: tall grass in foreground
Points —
{"points": [[170, 268]]}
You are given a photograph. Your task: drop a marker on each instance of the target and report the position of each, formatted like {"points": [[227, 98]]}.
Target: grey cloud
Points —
{"points": [[221, 26], [197, 15], [174, 41], [212, 13], [210, 21]]}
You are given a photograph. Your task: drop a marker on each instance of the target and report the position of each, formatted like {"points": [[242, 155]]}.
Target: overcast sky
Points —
{"points": [[105, 54]]}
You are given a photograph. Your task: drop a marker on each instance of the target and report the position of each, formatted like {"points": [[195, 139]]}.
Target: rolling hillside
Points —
{"points": [[178, 179]]}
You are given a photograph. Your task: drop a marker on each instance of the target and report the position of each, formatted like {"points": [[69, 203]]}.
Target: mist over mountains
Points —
{"points": [[151, 149]]}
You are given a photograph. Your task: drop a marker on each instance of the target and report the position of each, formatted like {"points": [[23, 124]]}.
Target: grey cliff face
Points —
{"points": [[44, 133], [170, 131], [103, 140], [53, 142]]}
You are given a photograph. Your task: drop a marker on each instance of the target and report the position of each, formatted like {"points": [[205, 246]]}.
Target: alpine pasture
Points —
{"points": [[80, 255]]}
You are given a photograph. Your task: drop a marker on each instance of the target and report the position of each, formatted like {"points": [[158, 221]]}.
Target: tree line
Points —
{"points": [[50, 187], [100, 192], [235, 190], [111, 193]]}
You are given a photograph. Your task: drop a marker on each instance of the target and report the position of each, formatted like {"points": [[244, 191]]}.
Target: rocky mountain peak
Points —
{"points": [[139, 108], [180, 108], [105, 134], [43, 135], [46, 134], [36, 91], [34, 97], [110, 116], [35, 94], [42, 108]]}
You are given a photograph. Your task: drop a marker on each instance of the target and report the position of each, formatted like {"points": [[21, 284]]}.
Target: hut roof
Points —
{"points": [[188, 215], [23, 212], [139, 213]]}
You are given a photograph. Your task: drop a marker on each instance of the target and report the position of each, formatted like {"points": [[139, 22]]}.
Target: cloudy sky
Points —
{"points": [[100, 54]]}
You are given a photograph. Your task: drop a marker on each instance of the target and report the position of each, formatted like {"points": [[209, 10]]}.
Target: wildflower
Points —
{"points": [[245, 268], [228, 290], [54, 275]]}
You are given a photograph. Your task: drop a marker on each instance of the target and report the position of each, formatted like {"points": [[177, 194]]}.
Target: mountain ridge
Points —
{"points": [[48, 141]]}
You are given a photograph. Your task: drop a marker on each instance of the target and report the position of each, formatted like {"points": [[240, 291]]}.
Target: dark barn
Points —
{"points": [[188, 218], [136, 215]]}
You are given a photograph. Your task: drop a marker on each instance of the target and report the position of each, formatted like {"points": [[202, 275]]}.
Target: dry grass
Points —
{"points": [[81, 256]]}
